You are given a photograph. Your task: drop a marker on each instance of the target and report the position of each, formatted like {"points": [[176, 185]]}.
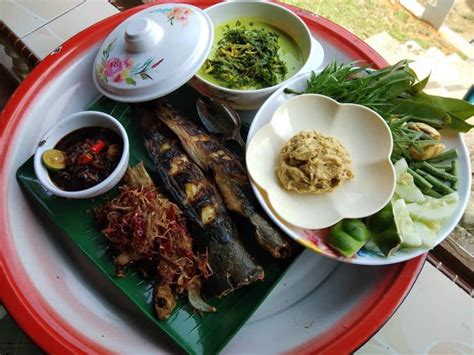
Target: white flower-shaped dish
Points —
{"points": [[361, 131]]}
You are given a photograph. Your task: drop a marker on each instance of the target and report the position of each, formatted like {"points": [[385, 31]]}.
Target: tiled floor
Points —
{"points": [[10, 13], [45, 24]]}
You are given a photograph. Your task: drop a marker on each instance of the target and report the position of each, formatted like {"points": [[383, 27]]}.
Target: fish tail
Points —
{"points": [[164, 301], [195, 298], [270, 239]]}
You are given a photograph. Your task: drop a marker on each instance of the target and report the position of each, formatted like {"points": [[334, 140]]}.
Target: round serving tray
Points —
{"points": [[66, 305]]}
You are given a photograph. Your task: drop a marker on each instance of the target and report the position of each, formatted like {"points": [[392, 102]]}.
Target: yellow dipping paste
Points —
{"points": [[313, 163]]}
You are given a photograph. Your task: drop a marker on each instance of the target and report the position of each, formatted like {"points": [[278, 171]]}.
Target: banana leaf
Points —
{"points": [[194, 333]]}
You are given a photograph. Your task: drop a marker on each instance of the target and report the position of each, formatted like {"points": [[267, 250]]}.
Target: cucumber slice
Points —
{"points": [[405, 225], [434, 211], [371, 246], [428, 235], [54, 159], [407, 190], [405, 187], [401, 167]]}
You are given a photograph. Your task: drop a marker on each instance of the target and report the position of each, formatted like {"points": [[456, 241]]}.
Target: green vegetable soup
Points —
{"points": [[250, 54]]}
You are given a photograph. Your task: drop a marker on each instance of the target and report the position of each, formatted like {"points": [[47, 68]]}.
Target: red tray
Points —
{"points": [[50, 328]]}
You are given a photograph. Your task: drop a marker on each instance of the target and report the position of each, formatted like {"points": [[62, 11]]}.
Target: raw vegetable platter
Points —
{"points": [[67, 304], [370, 254]]}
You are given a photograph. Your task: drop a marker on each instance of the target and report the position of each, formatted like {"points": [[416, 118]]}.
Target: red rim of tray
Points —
{"points": [[52, 332]]}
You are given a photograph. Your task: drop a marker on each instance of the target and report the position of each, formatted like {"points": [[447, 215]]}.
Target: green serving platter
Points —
{"points": [[195, 333]]}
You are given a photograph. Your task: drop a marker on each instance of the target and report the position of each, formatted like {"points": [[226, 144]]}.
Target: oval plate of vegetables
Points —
{"points": [[433, 172]]}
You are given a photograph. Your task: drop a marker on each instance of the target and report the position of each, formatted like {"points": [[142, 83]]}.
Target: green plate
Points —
{"points": [[195, 333]]}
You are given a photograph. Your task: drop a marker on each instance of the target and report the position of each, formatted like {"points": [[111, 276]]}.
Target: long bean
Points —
{"points": [[419, 180], [438, 185], [449, 154], [455, 172], [432, 193], [442, 165], [422, 173], [438, 172]]}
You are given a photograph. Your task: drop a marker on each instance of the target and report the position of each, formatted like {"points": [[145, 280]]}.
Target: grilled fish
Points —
{"points": [[229, 174], [232, 265]]}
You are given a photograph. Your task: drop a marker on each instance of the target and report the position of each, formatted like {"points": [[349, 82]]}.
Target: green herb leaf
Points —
{"points": [[422, 112], [247, 58], [460, 108], [418, 87], [458, 124]]}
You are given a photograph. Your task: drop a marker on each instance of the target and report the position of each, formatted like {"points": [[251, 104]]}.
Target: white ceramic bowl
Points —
{"points": [[68, 125], [361, 131], [276, 16]]}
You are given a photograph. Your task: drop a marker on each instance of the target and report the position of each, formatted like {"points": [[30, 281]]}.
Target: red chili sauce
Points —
{"points": [[92, 153]]}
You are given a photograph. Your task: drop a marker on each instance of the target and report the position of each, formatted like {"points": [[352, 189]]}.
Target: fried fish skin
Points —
{"points": [[232, 265], [229, 174]]}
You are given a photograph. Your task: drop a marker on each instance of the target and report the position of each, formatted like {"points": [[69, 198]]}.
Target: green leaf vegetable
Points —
{"points": [[394, 90], [348, 236], [247, 58]]}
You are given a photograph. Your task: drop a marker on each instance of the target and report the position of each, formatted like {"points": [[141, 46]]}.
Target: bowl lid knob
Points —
{"points": [[141, 35]]}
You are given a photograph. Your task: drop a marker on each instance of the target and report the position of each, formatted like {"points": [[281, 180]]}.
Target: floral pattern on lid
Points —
{"points": [[179, 14], [124, 70]]}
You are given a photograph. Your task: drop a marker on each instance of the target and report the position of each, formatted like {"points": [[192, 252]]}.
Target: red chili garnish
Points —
{"points": [[98, 146], [189, 254], [143, 224], [85, 159]]}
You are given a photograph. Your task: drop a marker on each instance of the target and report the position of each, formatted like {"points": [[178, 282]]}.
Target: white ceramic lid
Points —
{"points": [[153, 52]]}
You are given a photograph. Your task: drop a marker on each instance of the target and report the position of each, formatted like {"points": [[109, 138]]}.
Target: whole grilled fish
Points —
{"points": [[232, 265], [230, 176]]}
